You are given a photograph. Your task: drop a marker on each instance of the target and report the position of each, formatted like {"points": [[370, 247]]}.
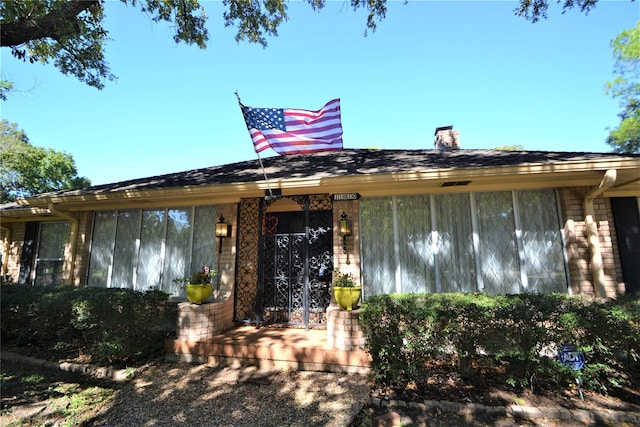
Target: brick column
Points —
{"points": [[197, 322], [343, 329]]}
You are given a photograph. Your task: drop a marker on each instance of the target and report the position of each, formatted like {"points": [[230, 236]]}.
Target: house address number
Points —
{"points": [[346, 196]]}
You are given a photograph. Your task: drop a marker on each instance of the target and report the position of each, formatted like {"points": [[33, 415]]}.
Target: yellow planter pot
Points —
{"points": [[197, 294], [347, 298]]}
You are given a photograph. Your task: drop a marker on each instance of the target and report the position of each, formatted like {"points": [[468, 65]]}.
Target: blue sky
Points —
{"points": [[496, 77]]}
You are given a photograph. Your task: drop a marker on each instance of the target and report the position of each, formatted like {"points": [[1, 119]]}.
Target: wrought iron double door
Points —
{"points": [[296, 268]]}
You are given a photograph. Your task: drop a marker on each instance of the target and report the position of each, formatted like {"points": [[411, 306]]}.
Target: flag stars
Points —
{"points": [[265, 118]]}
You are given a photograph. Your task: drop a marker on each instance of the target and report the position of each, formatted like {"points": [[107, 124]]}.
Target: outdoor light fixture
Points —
{"points": [[222, 230], [344, 227]]}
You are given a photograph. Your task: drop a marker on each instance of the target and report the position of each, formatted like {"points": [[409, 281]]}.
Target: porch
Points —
{"points": [[270, 348]]}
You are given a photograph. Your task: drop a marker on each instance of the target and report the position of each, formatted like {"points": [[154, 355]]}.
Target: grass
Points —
{"points": [[37, 396]]}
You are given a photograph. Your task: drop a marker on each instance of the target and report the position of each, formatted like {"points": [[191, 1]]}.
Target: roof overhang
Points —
{"points": [[524, 176]]}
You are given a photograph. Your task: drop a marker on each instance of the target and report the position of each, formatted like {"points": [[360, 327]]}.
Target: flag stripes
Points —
{"points": [[295, 131]]}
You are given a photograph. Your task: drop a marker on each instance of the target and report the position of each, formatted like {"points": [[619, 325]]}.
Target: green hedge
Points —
{"points": [[112, 326], [523, 332]]}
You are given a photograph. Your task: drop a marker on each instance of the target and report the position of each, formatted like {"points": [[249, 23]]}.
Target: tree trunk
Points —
{"points": [[54, 24]]}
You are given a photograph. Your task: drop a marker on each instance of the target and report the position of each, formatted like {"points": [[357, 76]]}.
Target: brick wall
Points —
{"points": [[226, 265], [343, 329], [15, 249], [577, 246], [197, 322], [349, 262], [81, 262]]}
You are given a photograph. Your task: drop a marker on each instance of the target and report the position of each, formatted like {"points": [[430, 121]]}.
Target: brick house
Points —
{"points": [[439, 220]]}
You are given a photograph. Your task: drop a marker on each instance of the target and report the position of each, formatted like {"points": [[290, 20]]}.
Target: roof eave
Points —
{"points": [[532, 175]]}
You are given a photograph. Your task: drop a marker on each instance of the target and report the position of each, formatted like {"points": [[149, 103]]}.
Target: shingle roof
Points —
{"points": [[349, 162]]}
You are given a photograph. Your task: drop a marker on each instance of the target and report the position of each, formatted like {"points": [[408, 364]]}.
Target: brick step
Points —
{"points": [[271, 348]]}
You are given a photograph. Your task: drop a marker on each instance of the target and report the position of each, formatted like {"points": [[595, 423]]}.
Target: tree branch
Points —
{"points": [[54, 24]]}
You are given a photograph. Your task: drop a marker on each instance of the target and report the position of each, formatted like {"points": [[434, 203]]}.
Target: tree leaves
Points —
{"points": [[26, 170], [625, 138], [71, 32]]}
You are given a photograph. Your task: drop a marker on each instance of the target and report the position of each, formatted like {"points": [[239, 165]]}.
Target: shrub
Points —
{"points": [[523, 332], [113, 326]]}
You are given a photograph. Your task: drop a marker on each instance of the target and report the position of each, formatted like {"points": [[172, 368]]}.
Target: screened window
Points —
{"points": [[52, 238], [499, 242], [150, 248]]}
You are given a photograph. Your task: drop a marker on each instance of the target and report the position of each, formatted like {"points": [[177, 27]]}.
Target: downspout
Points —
{"points": [[5, 260], [73, 238], [592, 232]]}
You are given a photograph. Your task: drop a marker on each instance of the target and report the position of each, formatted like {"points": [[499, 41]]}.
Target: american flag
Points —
{"points": [[293, 131]]}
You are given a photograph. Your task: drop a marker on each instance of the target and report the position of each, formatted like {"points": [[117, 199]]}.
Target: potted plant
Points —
{"points": [[345, 290], [198, 286]]}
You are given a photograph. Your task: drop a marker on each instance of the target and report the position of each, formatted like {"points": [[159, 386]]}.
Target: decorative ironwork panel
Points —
{"points": [[283, 276], [297, 263], [320, 202], [301, 200], [320, 265], [295, 269], [246, 289]]}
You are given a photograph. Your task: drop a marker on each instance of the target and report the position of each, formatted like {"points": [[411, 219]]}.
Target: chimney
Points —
{"points": [[446, 139]]}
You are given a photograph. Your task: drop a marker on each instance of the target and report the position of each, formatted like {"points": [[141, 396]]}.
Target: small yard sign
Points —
{"points": [[570, 356]]}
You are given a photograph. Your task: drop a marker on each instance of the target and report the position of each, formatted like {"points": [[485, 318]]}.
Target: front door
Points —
{"points": [[290, 241], [297, 266], [626, 214]]}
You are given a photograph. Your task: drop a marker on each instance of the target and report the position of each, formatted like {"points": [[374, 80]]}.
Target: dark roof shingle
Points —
{"points": [[348, 162]]}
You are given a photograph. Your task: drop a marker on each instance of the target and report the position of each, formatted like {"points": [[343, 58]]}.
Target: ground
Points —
{"points": [[39, 396], [50, 396], [489, 387]]}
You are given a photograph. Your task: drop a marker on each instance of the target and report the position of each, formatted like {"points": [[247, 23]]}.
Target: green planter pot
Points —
{"points": [[347, 298], [197, 294]]}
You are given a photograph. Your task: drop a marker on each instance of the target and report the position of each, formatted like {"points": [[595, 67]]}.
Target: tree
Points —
{"points": [[625, 138], [533, 10], [5, 87], [71, 32], [26, 170]]}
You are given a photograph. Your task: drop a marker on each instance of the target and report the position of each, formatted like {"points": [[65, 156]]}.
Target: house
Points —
{"points": [[434, 220]]}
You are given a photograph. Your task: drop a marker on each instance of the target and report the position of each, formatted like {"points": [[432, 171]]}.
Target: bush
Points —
{"points": [[112, 326], [523, 332]]}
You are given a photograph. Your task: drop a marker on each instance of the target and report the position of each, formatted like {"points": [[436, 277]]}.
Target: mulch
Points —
{"points": [[489, 386]]}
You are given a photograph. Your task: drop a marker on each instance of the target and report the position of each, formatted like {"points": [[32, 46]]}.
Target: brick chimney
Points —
{"points": [[446, 139]]}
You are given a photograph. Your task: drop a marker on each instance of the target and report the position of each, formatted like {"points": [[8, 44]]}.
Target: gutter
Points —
{"points": [[73, 239], [593, 240], [5, 260]]}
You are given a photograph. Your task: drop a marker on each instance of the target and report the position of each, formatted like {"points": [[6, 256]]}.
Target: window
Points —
{"points": [[150, 248], [52, 238], [498, 242]]}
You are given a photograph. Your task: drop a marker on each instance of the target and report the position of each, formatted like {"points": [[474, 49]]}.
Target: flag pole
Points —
{"points": [[264, 172]]}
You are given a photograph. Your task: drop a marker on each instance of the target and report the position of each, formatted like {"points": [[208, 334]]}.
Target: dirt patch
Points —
{"points": [[36, 396]]}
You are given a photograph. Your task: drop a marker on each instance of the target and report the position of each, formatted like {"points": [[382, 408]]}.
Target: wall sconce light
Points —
{"points": [[222, 230], [344, 227]]}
